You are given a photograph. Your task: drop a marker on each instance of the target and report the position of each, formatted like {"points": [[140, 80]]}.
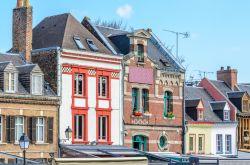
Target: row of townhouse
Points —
{"points": [[217, 115], [110, 87]]}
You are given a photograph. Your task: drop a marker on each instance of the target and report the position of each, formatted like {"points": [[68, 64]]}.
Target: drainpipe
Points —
{"points": [[122, 101], [183, 118]]}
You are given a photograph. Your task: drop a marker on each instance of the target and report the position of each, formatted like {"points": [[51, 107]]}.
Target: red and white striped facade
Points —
{"points": [[99, 103]]}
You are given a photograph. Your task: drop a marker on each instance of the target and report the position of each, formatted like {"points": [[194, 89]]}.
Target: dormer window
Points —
{"points": [[92, 45], [226, 115], [140, 53], [37, 84], [10, 82], [245, 105], [79, 43], [200, 115]]}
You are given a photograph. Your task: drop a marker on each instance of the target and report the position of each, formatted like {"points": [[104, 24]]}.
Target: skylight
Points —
{"points": [[92, 45], [79, 43]]}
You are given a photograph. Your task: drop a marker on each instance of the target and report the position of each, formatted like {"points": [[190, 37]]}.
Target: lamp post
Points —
{"points": [[185, 35], [68, 133], [24, 145]]}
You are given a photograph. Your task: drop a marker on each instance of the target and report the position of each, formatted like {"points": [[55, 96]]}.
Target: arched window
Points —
{"points": [[168, 102], [145, 100], [135, 99], [140, 143], [140, 53]]}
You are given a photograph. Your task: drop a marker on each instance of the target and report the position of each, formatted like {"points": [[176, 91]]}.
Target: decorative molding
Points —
{"points": [[66, 69], [92, 72], [115, 75]]}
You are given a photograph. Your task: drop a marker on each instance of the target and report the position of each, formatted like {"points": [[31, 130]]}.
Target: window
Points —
{"points": [[200, 115], [228, 139], [191, 143], [1, 128], [140, 53], [19, 128], [78, 84], [103, 86], [226, 115], [37, 84], [135, 99], [92, 45], [219, 143], [140, 143], [103, 125], [11, 82], [40, 130], [201, 141], [245, 105], [168, 102], [163, 142], [145, 100], [79, 43], [78, 130]]}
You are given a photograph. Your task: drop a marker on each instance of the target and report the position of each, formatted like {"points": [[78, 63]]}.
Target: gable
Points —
{"points": [[200, 105], [141, 33], [10, 68], [226, 108], [36, 69]]}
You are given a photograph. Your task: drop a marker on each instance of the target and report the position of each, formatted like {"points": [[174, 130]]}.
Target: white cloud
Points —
{"points": [[125, 11]]}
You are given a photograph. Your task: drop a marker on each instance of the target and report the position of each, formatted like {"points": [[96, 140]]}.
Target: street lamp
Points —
{"points": [[68, 133], [24, 145], [185, 35]]}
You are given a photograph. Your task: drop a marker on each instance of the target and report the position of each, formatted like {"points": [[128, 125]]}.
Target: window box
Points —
{"points": [[138, 113], [169, 115]]}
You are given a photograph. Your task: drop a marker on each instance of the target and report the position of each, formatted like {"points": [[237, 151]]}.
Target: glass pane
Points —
{"points": [[99, 86], [80, 84], [75, 128], [80, 126], [104, 125], [104, 86], [100, 127], [75, 84]]}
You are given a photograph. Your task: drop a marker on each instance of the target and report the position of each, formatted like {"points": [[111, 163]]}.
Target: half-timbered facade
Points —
{"points": [[153, 88], [86, 76]]}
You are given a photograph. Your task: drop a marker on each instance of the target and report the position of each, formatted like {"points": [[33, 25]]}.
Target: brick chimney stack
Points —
{"points": [[229, 76], [22, 29]]}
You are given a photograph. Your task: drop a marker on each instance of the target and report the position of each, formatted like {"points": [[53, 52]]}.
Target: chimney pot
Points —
{"points": [[222, 68], [228, 67]]}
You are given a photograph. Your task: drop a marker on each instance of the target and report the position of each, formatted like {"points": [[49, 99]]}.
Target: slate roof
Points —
{"points": [[218, 105], [244, 87], [196, 93], [237, 94], [222, 86], [18, 62], [192, 103], [59, 31], [120, 42]]}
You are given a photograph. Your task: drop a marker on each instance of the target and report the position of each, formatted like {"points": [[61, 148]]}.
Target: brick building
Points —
{"points": [[27, 103], [153, 88]]}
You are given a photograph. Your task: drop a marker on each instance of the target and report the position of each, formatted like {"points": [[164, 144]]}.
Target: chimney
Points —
{"points": [[229, 76], [22, 29]]}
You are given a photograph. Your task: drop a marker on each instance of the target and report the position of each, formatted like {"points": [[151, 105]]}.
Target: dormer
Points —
{"points": [[195, 109], [240, 99], [138, 44], [8, 77], [32, 78], [221, 109]]}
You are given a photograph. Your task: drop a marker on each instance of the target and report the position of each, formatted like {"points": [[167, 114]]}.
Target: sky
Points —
{"points": [[219, 29]]}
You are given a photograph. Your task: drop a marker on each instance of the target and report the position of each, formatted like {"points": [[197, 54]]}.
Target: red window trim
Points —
{"points": [[85, 128], [108, 114]]}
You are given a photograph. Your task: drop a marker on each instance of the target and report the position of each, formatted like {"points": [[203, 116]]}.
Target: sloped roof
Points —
{"points": [[192, 103], [3, 65], [197, 93], [14, 58], [218, 105], [26, 68], [237, 94], [244, 87], [60, 30], [222, 86], [120, 42]]}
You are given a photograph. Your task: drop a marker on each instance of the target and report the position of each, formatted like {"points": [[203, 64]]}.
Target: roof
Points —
{"points": [[218, 105], [14, 58], [26, 68], [3, 65], [244, 87], [192, 103], [237, 94], [63, 28], [197, 93], [119, 40], [222, 86]]}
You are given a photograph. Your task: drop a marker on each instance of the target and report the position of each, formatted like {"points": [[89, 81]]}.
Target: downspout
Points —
{"points": [[59, 89], [183, 119], [122, 101]]}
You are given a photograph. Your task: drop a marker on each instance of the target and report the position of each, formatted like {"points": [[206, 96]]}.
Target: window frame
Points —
{"points": [[92, 45], [135, 99], [193, 136], [100, 128], [9, 82], [145, 100], [38, 127], [140, 53], [16, 126], [76, 127], [217, 144], [203, 143], [245, 105], [35, 89], [228, 115], [200, 114], [230, 144], [76, 84], [79, 43], [100, 87], [168, 102]]}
